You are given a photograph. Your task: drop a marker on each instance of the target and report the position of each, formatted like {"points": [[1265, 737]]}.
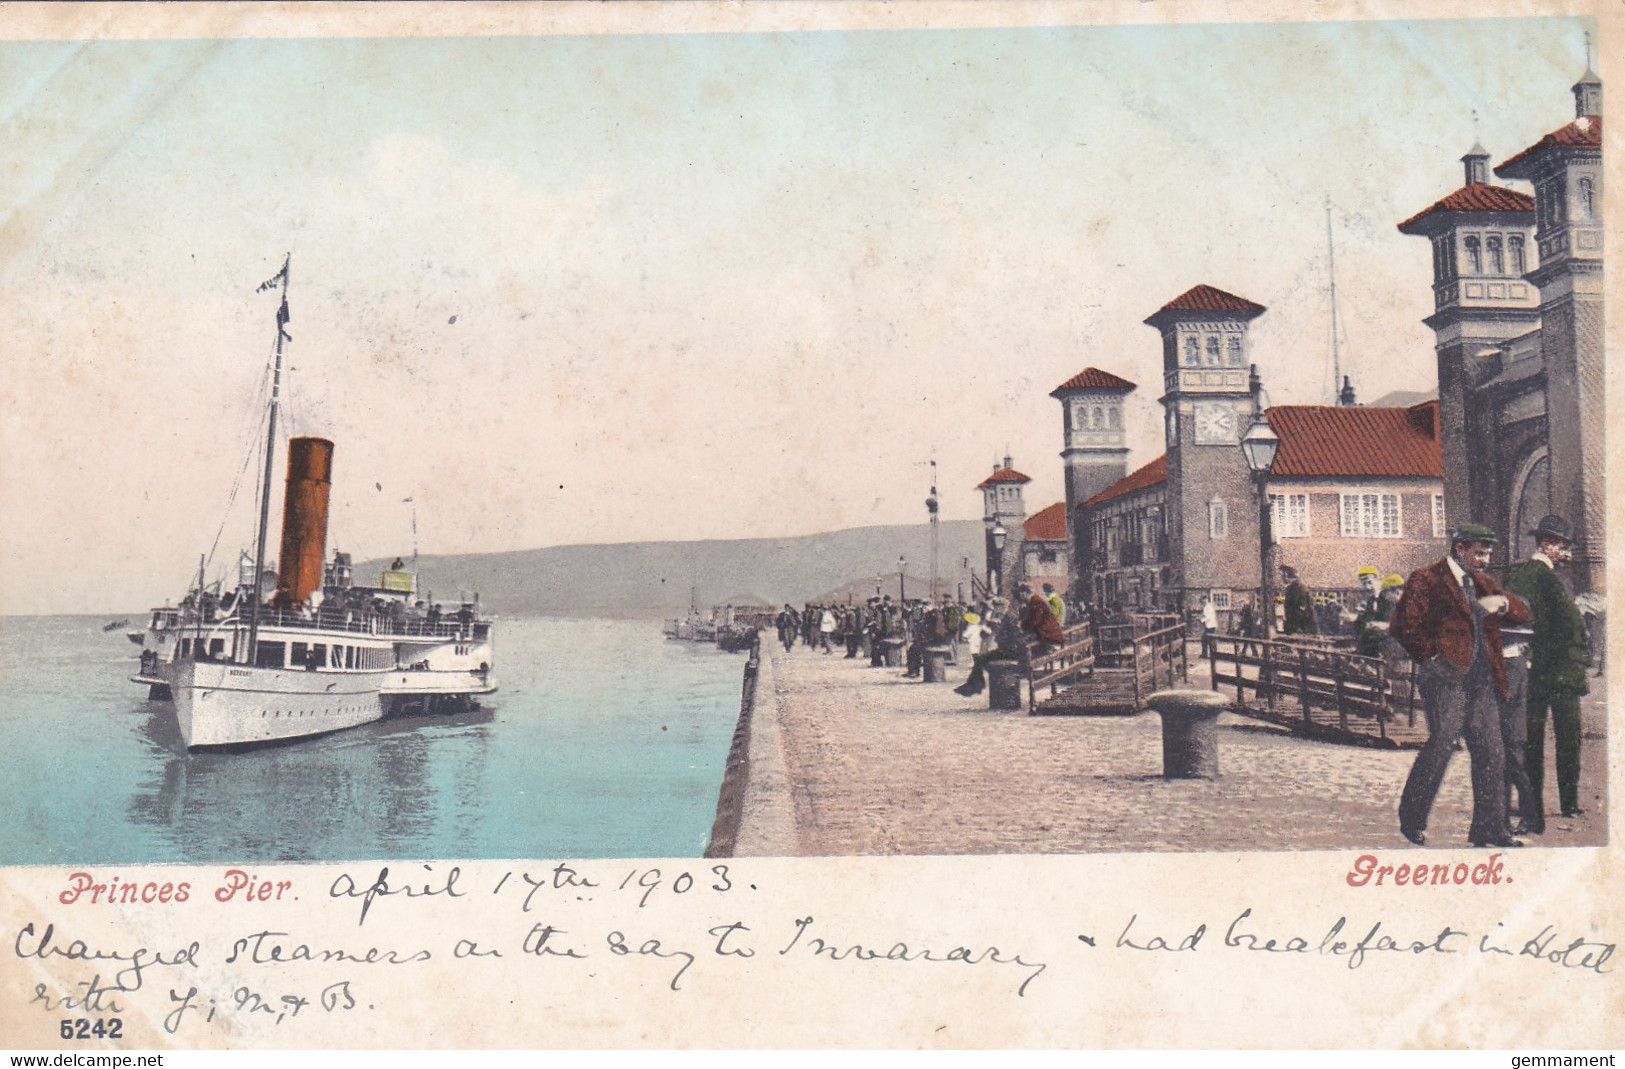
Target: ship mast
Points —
{"points": [[270, 454]]}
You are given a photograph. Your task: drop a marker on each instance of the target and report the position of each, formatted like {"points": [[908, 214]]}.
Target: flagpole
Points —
{"points": [[270, 456]]}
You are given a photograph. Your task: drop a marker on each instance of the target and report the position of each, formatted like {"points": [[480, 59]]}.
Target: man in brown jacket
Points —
{"points": [[1449, 621], [1038, 619]]}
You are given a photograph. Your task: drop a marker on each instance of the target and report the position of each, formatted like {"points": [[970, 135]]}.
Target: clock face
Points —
{"points": [[1215, 424]]}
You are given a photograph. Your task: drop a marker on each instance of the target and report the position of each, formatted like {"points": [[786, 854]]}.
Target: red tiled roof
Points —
{"points": [[1583, 133], [1206, 298], [1048, 525], [1092, 378], [1152, 474], [1003, 475], [1477, 197], [1322, 440]]}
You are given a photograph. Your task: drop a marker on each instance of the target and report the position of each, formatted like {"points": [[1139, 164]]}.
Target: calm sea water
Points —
{"points": [[605, 740]]}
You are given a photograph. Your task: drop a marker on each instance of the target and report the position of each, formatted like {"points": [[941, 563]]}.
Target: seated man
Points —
{"points": [[1038, 620], [1008, 646]]}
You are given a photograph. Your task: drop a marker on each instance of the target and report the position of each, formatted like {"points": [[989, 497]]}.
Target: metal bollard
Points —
{"points": [[1004, 684], [1190, 732], [936, 664]]}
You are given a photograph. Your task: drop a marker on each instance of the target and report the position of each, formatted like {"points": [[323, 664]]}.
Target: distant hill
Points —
{"points": [[654, 578]]}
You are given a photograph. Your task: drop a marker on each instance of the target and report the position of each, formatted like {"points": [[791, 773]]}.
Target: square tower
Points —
{"points": [[1483, 246], [1209, 402], [1003, 507], [1566, 169], [1095, 451]]}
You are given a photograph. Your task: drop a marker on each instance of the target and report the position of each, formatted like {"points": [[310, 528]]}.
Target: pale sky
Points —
{"points": [[681, 286]]}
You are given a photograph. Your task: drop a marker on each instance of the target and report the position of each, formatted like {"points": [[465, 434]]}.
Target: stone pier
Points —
{"points": [[841, 758]]}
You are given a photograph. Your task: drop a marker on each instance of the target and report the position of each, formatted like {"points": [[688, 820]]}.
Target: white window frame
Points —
{"points": [[1365, 514], [1218, 519], [1289, 516], [1438, 516]]}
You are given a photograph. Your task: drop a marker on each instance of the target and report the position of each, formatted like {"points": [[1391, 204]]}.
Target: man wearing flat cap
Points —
{"points": [[1558, 655], [1449, 621]]}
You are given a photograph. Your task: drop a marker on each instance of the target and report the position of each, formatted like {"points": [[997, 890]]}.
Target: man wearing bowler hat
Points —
{"points": [[1449, 621], [1558, 655]]}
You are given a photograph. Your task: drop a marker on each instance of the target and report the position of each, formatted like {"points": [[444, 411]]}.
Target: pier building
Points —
{"points": [[1518, 326], [1046, 555]]}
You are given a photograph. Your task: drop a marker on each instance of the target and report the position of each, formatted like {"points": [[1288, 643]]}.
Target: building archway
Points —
{"points": [[1531, 499]]}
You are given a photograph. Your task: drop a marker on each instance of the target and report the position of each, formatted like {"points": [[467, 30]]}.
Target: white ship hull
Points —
{"points": [[226, 704]]}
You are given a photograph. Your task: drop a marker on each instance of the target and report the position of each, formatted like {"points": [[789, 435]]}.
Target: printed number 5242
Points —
{"points": [[85, 1028]]}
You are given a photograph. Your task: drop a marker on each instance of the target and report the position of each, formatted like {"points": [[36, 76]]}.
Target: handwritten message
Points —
{"points": [[284, 948]]}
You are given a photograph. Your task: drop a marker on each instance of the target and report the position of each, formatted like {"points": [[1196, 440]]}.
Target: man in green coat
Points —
{"points": [[1558, 655]]}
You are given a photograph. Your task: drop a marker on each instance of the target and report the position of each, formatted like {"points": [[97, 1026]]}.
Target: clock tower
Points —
{"points": [[1209, 401]]}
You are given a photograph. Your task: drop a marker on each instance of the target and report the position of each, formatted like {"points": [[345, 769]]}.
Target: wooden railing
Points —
{"points": [[1334, 681], [1157, 656], [1072, 660], [1143, 656]]}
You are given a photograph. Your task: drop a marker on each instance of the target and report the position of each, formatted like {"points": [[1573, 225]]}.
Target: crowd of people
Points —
{"points": [[1298, 612], [983, 631], [1494, 661]]}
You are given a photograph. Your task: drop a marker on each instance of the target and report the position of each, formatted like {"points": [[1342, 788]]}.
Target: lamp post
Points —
{"points": [[996, 565], [878, 580], [931, 509], [902, 588], [1258, 446]]}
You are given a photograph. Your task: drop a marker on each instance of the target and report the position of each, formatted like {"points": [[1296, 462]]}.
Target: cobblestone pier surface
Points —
{"points": [[848, 759]]}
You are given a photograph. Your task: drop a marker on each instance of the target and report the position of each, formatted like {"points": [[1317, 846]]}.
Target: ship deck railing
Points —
{"points": [[350, 622]]}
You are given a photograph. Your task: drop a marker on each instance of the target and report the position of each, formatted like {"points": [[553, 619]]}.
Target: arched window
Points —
{"points": [[1234, 356], [1193, 355], [1475, 261], [1515, 254], [1095, 421], [1213, 350], [1111, 418], [1492, 246], [1553, 201], [1586, 195]]}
